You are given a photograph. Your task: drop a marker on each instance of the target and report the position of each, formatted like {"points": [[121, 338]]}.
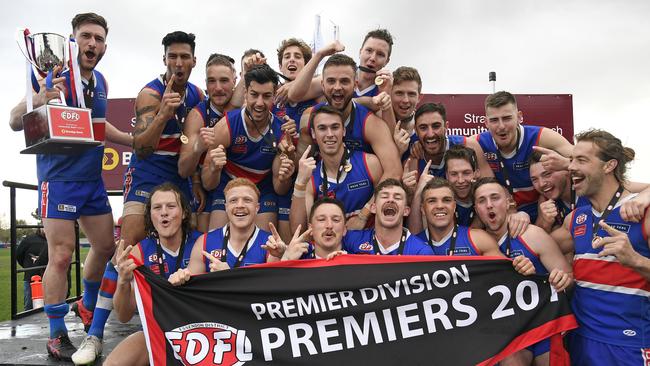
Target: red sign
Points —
{"points": [[70, 123], [465, 113]]}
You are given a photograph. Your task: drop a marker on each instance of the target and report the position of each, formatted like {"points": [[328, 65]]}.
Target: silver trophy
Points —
{"points": [[45, 51], [53, 128]]}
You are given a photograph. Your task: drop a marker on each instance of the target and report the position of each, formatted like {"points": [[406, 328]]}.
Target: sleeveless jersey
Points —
{"points": [[610, 301], [210, 117], [355, 125], [465, 213], [464, 244], [370, 91], [293, 110], [524, 193], [439, 170], [213, 244], [518, 246], [164, 160], [360, 242], [249, 157], [355, 188], [149, 252], [86, 166]]}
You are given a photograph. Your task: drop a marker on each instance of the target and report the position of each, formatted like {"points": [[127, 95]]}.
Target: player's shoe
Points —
{"points": [[61, 348], [84, 314], [88, 351]]}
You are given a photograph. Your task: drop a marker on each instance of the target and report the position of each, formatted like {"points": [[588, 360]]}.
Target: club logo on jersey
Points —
{"points": [[365, 247], [70, 116], [629, 332], [241, 139], [581, 219], [101, 95], [216, 253], [490, 156], [330, 194], [213, 121], [280, 112], [154, 258], [210, 344], [579, 230], [358, 185], [66, 208]]}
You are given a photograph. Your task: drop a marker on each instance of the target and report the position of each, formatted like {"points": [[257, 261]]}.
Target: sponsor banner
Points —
{"points": [[375, 310], [465, 113], [116, 159]]}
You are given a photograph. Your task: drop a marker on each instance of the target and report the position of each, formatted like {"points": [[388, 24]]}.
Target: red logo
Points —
{"points": [[210, 344], [365, 247], [154, 258], [580, 230], [216, 253], [241, 139], [581, 219], [70, 116], [490, 156]]}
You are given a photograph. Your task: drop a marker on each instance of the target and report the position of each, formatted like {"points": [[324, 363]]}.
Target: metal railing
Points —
{"points": [[15, 314]]}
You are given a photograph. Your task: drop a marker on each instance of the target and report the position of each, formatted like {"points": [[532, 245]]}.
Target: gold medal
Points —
{"points": [[184, 139], [379, 80], [348, 167]]}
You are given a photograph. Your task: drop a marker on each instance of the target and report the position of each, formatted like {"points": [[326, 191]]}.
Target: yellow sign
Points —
{"points": [[111, 158]]}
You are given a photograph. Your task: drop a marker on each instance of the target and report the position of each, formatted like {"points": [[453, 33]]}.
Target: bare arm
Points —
{"points": [[304, 138], [562, 236], [196, 265], [548, 250], [485, 243], [305, 82], [215, 160], [302, 191], [113, 134], [124, 297], [38, 99], [191, 152], [483, 165], [151, 115], [381, 140]]}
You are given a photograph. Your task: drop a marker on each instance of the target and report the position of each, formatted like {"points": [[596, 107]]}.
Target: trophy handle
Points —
{"points": [[22, 36]]}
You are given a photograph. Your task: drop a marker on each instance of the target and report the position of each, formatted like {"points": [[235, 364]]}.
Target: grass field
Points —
{"points": [[5, 284]]}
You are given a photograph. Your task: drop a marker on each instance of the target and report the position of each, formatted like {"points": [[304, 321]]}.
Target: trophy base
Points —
{"points": [[58, 129], [58, 146]]}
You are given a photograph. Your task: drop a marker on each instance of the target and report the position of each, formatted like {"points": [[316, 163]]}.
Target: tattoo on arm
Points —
{"points": [[141, 125]]}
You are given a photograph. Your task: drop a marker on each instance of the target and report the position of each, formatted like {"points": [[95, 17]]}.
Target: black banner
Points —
{"points": [[376, 310]]}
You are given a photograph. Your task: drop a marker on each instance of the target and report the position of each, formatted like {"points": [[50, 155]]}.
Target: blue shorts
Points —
{"points": [[284, 205], [586, 351], [70, 200], [139, 183], [540, 347], [268, 198]]}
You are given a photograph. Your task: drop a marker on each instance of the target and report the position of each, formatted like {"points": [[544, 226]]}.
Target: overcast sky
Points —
{"points": [[599, 51]]}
